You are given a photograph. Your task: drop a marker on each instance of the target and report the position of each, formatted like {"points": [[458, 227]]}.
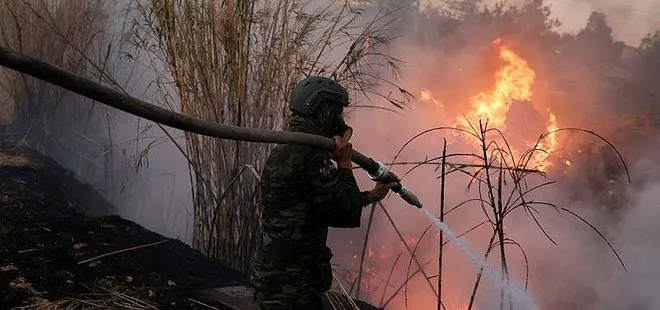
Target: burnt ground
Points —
{"points": [[48, 247], [44, 237]]}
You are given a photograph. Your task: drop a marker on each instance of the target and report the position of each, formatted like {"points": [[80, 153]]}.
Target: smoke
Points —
{"points": [[580, 271], [638, 285], [130, 161], [153, 180], [382, 138], [631, 21]]}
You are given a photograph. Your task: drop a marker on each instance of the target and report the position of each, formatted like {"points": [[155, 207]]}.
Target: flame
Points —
{"points": [[427, 97], [548, 145], [513, 82]]}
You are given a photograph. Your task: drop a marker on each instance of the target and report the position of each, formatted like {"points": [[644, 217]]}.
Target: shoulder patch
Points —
{"points": [[326, 169]]}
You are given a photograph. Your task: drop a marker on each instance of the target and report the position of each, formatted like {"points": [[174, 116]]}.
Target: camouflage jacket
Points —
{"points": [[303, 194]]}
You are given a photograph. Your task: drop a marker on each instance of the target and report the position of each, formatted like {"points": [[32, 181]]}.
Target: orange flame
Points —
{"points": [[513, 82], [548, 145], [427, 97]]}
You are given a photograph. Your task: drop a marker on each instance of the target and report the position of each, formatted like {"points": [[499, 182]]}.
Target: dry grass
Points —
{"points": [[61, 33], [500, 185], [6, 110], [8, 160], [235, 62], [99, 297], [67, 34]]}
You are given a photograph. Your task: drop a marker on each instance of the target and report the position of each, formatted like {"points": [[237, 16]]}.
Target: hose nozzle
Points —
{"points": [[383, 175], [409, 197]]}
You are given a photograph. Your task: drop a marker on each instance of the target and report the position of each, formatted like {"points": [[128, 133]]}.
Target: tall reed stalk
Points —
{"points": [[235, 62], [500, 184], [66, 34]]}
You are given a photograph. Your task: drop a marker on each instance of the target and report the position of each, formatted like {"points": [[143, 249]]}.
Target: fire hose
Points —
{"points": [[376, 170]]}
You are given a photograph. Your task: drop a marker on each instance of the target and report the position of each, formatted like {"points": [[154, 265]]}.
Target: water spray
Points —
{"points": [[519, 297], [108, 96]]}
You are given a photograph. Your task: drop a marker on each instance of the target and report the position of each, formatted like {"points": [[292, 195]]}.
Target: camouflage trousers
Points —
{"points": [[287, 292]]}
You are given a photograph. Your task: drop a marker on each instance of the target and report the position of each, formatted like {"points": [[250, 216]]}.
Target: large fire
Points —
{"points": [[513, 83]]}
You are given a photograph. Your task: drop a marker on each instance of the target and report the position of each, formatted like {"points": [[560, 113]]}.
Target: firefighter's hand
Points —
{"points": [[342, 152], [394, 177], [380, 191]]}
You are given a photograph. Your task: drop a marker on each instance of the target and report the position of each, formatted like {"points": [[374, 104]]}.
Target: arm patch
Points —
{"points": [[327, 171], [321, 169]]}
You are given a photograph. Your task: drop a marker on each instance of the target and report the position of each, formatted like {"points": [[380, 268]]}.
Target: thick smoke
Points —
{"points": [[580, 271], [129, 161], [154, 180], [631, 20]]}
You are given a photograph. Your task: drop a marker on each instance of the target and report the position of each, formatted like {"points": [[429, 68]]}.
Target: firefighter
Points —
{"points": [[303, 194]]}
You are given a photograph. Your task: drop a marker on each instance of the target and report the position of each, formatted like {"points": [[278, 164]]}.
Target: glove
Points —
{"points": [[342, 152], [379, 191], [394, 177]]}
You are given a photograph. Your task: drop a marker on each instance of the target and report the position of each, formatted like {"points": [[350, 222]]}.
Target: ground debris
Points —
{"points": [[8, 268], [47, 227], [79, 246]]}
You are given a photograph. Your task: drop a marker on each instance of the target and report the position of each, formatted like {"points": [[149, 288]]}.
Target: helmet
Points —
{"points": [[316, 92], [312, 91]]}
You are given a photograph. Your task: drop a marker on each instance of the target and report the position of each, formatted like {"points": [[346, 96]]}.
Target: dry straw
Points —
{"points": [[235, 62], [502, 184]]}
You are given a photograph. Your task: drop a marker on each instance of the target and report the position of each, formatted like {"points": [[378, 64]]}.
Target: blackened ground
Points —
{"points": [[44, 237]]}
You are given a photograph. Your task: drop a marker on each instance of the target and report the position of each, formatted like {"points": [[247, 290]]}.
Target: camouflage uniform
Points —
{"points": [[304, 193]]}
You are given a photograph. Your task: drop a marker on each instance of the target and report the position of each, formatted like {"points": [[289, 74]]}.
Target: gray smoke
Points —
{"points": [[580, 272], [631, 20]]}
